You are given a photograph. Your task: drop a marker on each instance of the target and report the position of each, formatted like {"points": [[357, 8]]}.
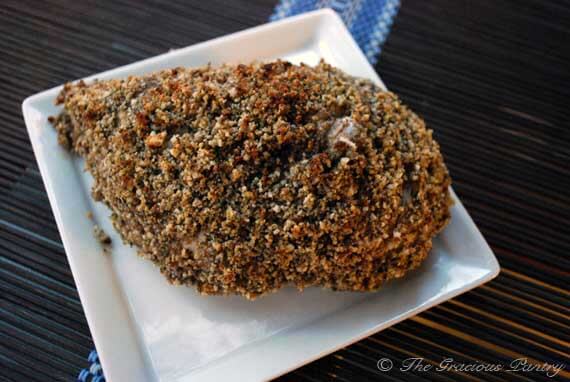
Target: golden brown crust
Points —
{"points": [[241, 179]]}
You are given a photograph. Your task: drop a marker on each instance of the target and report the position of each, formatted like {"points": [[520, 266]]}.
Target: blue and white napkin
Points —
{"points": [[369, 21]]}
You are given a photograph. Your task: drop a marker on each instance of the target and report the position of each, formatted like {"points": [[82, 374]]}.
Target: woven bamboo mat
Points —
{"points": [[491, 78]]}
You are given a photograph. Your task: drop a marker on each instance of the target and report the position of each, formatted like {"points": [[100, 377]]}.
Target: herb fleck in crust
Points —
{"points": [[241, 179]]}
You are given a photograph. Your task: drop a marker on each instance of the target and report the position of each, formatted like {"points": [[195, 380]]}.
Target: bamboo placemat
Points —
{"points": [[490, 78]]}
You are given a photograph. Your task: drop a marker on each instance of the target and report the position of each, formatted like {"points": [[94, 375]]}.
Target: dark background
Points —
{"points": [[490, 77]]}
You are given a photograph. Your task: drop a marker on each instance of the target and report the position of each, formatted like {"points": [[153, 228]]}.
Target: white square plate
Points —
{"points": [[148, 330]]}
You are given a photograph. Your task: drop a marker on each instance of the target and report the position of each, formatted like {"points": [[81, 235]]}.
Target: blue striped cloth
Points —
{"points": [[369, 21], [94, 373]]}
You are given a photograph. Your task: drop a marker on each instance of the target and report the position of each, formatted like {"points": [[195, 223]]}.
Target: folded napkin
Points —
{"points": [[369, 22]]}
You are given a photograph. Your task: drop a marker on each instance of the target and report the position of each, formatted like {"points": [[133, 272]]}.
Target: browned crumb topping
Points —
{"points": [[241, 179], [155, 141]]}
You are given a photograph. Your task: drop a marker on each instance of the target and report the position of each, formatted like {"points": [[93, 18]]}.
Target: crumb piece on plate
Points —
{"points": [[101, 236]]}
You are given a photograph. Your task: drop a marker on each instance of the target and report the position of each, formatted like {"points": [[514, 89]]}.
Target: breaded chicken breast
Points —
{"points": [[244, 178]]}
